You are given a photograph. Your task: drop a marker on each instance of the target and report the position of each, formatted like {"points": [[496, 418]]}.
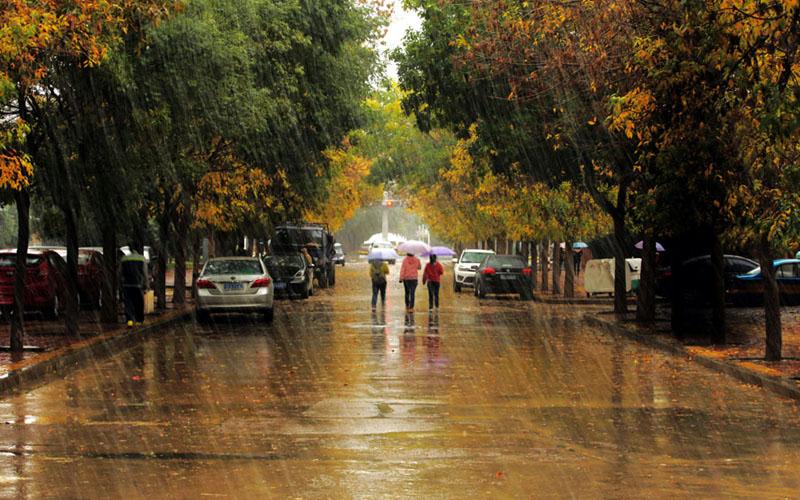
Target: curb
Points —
{"points": [[778, 386], [573, 301], [59, 362]]}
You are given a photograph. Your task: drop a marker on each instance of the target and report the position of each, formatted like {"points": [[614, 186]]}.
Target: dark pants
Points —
{"points": [[378, 288], [133, 298], [433, 294], [411, 292]]}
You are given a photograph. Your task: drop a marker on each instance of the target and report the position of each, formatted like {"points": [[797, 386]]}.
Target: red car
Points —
{"points": [[90, 275], [45, 283]]}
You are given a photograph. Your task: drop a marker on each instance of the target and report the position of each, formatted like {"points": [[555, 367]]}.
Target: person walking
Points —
{"points": [[133, 282], [577, 256], [409, 277], [378, 270], [432, 275]]}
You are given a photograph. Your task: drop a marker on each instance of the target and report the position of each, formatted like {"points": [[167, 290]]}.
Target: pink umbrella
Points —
{"points": [[414, 247], [640, 246]]}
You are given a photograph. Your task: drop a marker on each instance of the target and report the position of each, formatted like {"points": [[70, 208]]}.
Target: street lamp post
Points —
{"points": [[387, 204]]}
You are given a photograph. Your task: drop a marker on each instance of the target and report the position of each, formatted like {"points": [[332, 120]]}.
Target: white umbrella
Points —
{"points": [[382, 254], [414, 247]]}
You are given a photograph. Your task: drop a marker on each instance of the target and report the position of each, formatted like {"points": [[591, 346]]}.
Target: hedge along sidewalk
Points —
{"points": [[38, 369], [745, 371]]}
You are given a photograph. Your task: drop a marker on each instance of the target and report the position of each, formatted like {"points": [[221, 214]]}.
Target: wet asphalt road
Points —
{"points": [[498, 399]]}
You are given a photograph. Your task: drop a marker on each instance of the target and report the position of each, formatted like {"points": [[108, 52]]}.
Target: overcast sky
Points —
{"points": [[402, 20]]}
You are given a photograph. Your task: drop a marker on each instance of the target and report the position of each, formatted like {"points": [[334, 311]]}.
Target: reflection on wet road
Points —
{"points": [[505, 398]]}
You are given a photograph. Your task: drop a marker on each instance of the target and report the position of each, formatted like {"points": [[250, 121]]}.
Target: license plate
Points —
{"points": [[230, 287], [508, 277], [280, 286]]}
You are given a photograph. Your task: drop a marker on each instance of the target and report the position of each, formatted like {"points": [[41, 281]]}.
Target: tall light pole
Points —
{"points": [[387, 204]]}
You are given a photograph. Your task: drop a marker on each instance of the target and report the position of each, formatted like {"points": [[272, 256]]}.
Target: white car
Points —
{"points": [[235, 284], [464, 270]]}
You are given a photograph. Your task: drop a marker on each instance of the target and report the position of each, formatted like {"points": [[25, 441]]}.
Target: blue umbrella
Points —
{"points": [[579, 245], [382, 254], [439, 252]]}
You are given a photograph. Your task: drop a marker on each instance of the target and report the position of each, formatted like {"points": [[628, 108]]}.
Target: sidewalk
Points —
{"points": [[49, 350], [742, 357]]}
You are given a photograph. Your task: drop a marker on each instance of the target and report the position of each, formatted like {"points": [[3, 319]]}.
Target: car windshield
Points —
{"points": [[473, 257], [504, 261], [286, 260], [233, 267], [10, 260]]}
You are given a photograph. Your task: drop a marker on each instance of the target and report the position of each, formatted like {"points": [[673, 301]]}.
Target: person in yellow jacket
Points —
{"points": [[378, 270]]}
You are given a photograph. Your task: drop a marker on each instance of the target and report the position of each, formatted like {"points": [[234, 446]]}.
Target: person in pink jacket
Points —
{"points": [[409, 276]]}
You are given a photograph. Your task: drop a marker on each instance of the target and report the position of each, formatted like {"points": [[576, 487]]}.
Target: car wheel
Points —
{"points": [[456, 287], [202, 316], [526, 295], [322, 281], [54, 310], [99, 303], [269, 315], [304, 292], [480, 292], [333, 275]]}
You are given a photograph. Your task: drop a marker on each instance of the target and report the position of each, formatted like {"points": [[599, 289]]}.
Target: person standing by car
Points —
{"points": [[133, 284], [378, 270], [432, 275], [409, 277], [307, 257]]}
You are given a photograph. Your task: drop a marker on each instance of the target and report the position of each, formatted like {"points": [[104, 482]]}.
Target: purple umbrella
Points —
{"points": [[413, 247], [640, 246], [440, 252]]}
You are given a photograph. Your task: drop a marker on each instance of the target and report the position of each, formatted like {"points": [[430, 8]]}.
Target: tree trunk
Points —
{"points": [[108, 312], [23, 200], [545, 253], [772, 306], [162, 261], [72, 310], [620, 288], [524, 252], [569, 271], [534, 261], [677, 305], [646, 304], [195, 262], [179, 281], [717, 291], [556, 267]]}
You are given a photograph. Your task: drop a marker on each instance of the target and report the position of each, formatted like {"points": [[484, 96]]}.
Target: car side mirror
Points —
{"points": [[455, 261]]}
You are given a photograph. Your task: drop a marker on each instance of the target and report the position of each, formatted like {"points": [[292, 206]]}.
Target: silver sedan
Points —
{"points": [[234, 284]]}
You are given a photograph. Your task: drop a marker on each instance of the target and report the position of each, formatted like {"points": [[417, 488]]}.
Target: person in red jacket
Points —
{"points": [[432, 275]]}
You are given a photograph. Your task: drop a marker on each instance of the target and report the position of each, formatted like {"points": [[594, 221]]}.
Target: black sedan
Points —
{"points": [[696, 281], [504, 274], [291, 275]]}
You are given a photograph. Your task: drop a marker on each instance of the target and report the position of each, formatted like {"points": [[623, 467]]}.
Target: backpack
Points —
{"points": [[376, 274]]}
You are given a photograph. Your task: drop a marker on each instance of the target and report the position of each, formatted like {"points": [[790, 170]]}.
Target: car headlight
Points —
{"points": [[298, 274]]}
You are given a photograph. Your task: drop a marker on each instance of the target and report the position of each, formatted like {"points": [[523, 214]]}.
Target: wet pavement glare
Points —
{"points": [[498, 399]]}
